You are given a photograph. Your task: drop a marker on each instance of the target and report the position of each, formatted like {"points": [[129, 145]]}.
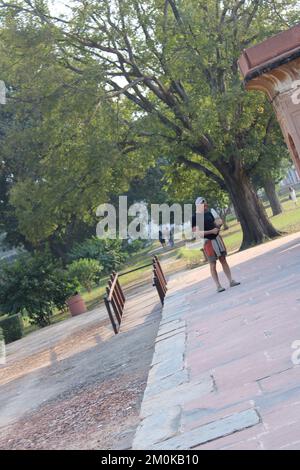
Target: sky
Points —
{"points": [[59, 7]]}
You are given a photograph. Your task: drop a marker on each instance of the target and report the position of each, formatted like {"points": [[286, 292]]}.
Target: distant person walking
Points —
{"points": [[292, 195], [214, 246], [171, 238], [161, 238]]}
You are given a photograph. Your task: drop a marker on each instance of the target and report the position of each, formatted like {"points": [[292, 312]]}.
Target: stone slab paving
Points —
{"points": [[222, 374]]}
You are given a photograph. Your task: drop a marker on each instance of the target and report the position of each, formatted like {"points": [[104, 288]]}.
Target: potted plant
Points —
{"points": [[83, 272], [75, 301], [76, 304]]}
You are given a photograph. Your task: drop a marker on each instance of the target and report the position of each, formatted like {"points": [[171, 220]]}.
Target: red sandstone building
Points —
{"points": [[273, 67]]}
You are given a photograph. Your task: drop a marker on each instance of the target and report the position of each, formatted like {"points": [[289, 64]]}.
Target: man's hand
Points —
{"points": [[218, 222], [215, 231]]}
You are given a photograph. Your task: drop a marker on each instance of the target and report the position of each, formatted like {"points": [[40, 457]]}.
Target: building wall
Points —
{"points": [[280, 84], [288, 115]]}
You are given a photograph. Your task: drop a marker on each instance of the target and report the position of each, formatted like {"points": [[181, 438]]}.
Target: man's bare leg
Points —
{"points": [[226, 268], [227, 272], [214, 275]]}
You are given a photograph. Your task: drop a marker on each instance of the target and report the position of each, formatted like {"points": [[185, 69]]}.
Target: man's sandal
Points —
{"points": [[220, 289], [234, 283]]}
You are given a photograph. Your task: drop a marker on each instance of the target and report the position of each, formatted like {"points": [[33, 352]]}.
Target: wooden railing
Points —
{"points": [[115, 299], [159, 280]]}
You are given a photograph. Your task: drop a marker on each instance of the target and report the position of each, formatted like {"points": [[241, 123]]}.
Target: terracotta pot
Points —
{"points": [[76, 305]]}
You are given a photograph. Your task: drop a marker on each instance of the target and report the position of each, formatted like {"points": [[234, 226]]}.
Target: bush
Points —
{"points": [[34, 285], [85, 271], [108, 252], [136, 245], [12, 328]]}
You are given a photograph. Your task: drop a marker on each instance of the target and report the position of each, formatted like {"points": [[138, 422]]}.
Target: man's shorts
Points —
{"points": [[214, 249]]}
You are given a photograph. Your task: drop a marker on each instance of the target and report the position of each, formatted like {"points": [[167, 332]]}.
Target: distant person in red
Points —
{"points": [[214, 247]]}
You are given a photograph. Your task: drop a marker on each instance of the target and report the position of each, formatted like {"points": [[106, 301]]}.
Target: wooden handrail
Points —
{"points": [[115, 299], [113, 280], [159, 280]]}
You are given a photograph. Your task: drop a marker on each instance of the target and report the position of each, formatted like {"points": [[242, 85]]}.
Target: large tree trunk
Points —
{"points": [[224, 213], [255, 224], [270, 190]]}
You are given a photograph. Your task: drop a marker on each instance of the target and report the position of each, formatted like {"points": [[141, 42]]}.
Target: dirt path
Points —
{"points": [[75, 385]]}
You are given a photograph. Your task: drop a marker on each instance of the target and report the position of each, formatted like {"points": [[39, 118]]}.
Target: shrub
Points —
{"points": [[85, 271], [136, 245], [12, 328], [35, 285], [108, 252]]}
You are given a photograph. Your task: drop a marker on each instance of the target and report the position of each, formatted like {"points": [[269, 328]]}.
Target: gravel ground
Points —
{"points": [[75, 385]]}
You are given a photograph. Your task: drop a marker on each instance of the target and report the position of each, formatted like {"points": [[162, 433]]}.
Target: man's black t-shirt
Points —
{"points": [[209, 224]]}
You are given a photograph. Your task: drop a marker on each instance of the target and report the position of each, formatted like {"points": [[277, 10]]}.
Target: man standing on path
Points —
{"points": [[214, 247]]}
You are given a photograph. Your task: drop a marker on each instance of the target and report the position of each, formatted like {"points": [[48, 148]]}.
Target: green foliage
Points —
{"points": [[60, 156], [135, 246], [266, 154], [77, 137], [149, 188], [108, 252], [12, 328], [1, 334], [185, 185], [85, 271], [34, 285]]}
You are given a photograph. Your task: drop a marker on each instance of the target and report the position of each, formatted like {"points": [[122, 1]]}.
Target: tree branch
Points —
{"points": [[197, 166]]}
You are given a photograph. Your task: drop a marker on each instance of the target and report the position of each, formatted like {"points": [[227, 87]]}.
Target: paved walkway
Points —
{"points": [[75, 385], [222, 374]]}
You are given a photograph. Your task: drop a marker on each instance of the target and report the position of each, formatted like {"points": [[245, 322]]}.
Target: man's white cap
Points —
{"points": [[200, 200]]}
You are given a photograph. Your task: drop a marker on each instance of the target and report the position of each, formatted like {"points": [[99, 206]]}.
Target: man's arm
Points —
{"points": [[202, 234], [218, 220]]}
